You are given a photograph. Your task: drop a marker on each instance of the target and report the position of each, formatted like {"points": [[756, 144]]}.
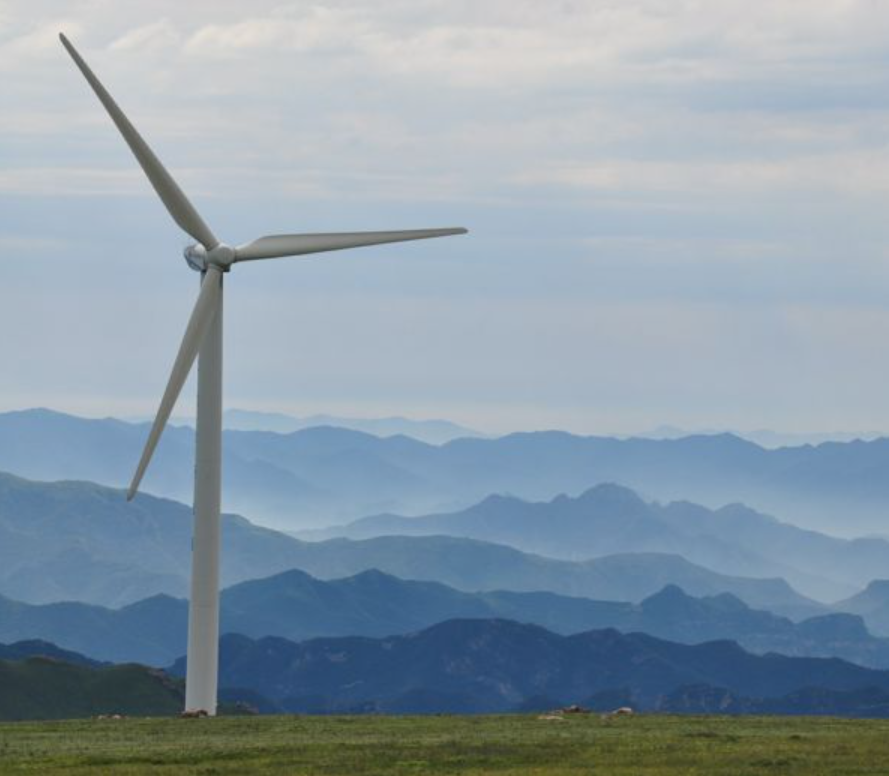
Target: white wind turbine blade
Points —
{"points": [[205, 308], [279, 245], [174, 199]]}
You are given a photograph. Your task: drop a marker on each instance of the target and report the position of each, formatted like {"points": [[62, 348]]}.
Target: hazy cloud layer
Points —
{"points": [[677, 208]]}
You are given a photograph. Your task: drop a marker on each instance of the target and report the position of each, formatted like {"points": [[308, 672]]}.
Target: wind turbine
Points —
{"points": [[203, 336]]}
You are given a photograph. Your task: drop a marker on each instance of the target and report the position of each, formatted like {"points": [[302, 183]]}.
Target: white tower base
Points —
{"points": [[203, 610]]}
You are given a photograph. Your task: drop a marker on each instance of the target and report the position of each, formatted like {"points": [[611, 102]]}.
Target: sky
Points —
{"points": [[677, 208]]}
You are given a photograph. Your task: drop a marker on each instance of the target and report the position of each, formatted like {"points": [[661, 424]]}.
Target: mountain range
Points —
{"points": [[462, 666], [467, 666], [83, 542], [296, 606], [609, 519], [317, 476], [448, 598]]}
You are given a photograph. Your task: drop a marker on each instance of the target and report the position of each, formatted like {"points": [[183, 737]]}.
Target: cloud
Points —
{"points": [[69, 181], [162, 34], [859, 174], [313, 29]]}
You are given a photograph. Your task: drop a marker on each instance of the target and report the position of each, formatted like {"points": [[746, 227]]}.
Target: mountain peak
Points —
{"points": [[373, 576], [611, 494], [878, 587], [673, 601], [671, 598], [500, 500]]}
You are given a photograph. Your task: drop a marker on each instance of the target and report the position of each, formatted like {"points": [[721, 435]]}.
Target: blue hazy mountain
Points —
{"points": [[872, 603], [499, 665], [319, 476], [152, 631], [78, 541], [296, 606], [611, 519]]}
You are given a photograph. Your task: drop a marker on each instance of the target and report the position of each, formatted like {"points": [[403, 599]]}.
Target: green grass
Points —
{"points": [[637, 746]]}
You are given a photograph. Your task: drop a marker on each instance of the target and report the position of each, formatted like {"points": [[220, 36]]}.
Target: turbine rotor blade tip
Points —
{"points": [[278, 245], [202, 315], [173, 198]]}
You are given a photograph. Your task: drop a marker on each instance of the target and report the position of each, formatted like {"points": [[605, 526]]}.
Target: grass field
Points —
{"points": [[641, 746]]}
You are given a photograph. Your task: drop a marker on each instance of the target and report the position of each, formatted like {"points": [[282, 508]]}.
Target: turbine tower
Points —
{"points": [[203, 337]]}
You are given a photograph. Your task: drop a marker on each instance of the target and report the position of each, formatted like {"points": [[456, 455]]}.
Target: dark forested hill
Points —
{"points": [[48, 688], [497, 665]]}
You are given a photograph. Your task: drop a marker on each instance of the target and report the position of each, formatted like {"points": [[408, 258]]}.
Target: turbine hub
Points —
{"points": [[222, 256], [199, 258]]}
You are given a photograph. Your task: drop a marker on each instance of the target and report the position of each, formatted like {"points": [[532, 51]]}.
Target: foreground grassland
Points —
{"points": [[641, 746]]}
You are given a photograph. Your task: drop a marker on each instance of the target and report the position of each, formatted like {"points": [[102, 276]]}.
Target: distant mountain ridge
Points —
{"points": [[319, 476], [433, 431], [768, 438], [609, 519], [467, 666], [80, 541]]}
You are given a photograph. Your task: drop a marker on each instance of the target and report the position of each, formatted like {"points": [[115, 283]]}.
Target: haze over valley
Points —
{"points": [[323, 475]]}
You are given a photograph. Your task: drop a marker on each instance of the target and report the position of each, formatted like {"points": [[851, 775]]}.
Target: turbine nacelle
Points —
{"points": [[199, 258], [196, 257]]}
